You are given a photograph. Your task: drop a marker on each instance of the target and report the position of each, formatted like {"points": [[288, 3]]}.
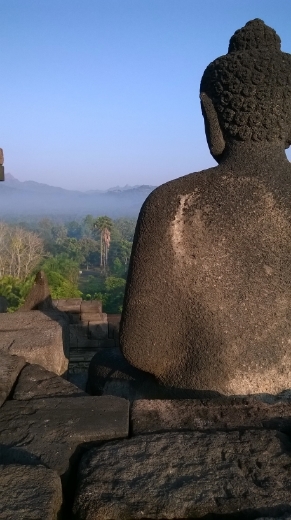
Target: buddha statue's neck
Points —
{"points": [[250, 156]]}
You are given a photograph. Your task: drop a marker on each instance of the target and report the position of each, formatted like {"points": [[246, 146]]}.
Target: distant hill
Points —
{"points": [[30, 198]]}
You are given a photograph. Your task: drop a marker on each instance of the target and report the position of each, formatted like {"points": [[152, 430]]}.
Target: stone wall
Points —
{"points": [[90, 330]]}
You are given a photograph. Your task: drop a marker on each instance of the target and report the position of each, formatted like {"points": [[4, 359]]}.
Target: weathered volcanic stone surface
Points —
{"points": [[36, 382], [71, 305], [51, 430], [186, 475], [98, 329], [111, 374], [283, 517], [208, 295], [149, 416], [93, 307], [39, 338], [29, 493], [39, 297], [10, 367]]}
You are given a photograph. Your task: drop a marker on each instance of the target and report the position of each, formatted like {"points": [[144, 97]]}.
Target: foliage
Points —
{"points": [[21, 251], [115, 292], [63, 265], [15, 290], [104, 226], [91, 285], [63, 276], [110, 290], [71, 248], [91, 252], [61, 287], [126, 227]]}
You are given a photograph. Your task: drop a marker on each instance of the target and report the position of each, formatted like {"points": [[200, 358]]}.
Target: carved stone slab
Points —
{"points": [[50, 430], [29, 492], [35, 382], [148, 416], [10, 366], [186, 475]]}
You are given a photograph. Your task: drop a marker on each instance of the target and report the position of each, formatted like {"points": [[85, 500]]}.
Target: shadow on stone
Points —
{"points": [[111, 374]]}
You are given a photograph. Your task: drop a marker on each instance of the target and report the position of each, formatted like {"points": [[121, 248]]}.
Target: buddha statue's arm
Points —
{"points": [[149, 289]]}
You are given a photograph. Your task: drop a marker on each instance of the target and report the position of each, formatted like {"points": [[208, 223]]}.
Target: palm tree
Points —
{"points": [[104, 225]]}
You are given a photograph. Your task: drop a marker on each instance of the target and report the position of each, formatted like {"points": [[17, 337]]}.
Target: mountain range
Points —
{"points": [[29, 198]]}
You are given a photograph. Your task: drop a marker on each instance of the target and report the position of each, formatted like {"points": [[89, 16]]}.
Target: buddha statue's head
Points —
{"points": [[246, 94]]}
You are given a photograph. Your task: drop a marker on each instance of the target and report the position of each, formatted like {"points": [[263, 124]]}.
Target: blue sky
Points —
{"points": [[99, 93]]}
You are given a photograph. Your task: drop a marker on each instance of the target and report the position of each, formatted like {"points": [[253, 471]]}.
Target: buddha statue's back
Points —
{"points": [[208, 297]]}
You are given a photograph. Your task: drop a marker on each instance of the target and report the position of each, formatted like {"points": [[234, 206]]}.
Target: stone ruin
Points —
{"points": [[199, 309]]}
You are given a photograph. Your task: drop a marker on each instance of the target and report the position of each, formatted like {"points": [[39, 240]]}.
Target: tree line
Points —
{"points": [[86, 258]]}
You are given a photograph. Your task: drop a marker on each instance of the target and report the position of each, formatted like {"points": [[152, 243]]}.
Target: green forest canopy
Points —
{"points": [[87, 258]]}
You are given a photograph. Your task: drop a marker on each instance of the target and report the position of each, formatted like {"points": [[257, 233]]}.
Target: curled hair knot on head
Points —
{"points": [[254, 78]]}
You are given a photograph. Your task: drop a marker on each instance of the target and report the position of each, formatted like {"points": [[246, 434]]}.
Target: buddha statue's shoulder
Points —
{"points": [[167, 196]]}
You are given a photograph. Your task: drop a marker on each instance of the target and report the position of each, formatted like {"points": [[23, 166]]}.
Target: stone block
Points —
{"points": [[52, 430], [81, 357], [186, 475], [97, 330], [113, 325], [97, 317], [74, 319], [91, 344], [29, 493], [77, 331], [38, 337], [72, 305], [91, 307], [148, 416], [10, 366], [35, 382]]}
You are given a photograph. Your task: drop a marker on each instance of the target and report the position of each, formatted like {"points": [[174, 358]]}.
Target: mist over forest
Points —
{"points": [[23, 199]]}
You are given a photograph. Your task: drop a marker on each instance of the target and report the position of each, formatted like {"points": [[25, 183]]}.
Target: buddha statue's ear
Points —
{"points": [[213, 131]]}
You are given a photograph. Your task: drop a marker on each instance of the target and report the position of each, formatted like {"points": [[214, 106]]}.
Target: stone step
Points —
{"points": [[148, 416], [35, 382], [91, 307], [29, 492], [49, 431], [186, 475], [72, 305], [10, 368]]}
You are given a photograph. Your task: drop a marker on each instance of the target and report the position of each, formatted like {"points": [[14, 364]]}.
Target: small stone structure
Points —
{"points": [[208, 296], [91, 330], [39, 297]]}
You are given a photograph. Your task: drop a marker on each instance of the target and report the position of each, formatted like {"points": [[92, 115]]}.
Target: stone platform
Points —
{"points": [[97, 458]]}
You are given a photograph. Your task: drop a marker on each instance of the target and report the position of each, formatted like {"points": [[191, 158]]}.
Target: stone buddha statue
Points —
{"points": [[208, 296]]}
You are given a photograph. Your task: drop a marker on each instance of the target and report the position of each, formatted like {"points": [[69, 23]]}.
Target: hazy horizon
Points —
{"points": [[104, 93], [10, 178]]}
